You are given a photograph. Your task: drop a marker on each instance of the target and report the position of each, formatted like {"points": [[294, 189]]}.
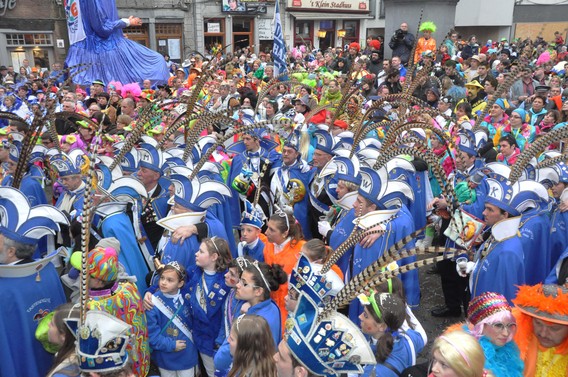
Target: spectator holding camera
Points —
{"points": [[401, 43]]}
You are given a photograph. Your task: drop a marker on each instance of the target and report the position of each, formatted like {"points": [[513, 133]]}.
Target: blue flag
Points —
{"points": [[279, 49]]}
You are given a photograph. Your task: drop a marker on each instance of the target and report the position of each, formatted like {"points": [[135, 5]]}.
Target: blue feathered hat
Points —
{"points": [[198, 194], [384, 193], [64, 165], [527, 195], [293, 140], [101, 341], [203, 144], [332, 346], [500, 191], [252, 216], [325, 142], [151, 157], [343, 168], [131, 160], [467, 142], [24, 224]]}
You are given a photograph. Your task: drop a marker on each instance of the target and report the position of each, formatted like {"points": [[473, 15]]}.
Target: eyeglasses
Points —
{"points": [[501, 326]]}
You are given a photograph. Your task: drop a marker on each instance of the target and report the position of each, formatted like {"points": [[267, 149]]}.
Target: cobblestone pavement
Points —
{"points": [[432, 297]]}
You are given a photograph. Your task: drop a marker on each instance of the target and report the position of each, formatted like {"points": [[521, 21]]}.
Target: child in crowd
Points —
{"points": [[66, 362], [395, 348], [257, 281], [252, 347], [169, 324], [208, 292], [251, 225]]}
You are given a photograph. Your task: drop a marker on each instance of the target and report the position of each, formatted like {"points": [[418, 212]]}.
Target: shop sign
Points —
{"points": [[358, 6], [6, 5]]}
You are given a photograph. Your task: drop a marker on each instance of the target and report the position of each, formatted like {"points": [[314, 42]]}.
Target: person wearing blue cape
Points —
{"points": [[190, 222], [156, 207], [379, 201], [498, 264], [96, 38], [253, 152], [468, 164], [111, 220], [29, 289], [336, 231], [321, 189], [290, 181], [222, 211]]}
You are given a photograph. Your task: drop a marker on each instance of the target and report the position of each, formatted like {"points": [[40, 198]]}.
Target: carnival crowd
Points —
{"points": [[245, 223]]}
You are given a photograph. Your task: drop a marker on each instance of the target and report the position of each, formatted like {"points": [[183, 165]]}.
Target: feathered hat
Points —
{"points": [[101, 341], [252, 216], [380, 190], [24, 224], [331, 346]]}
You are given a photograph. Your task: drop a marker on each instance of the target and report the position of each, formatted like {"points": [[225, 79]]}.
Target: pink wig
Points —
{"points": [[114, 86], [133, 89]]}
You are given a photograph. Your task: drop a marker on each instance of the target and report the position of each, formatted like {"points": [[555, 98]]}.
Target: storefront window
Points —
{"points": [[242, 33], [329, 39], [304, 33], [20, 39], [351, 32], [214, 33], [169, 37]]}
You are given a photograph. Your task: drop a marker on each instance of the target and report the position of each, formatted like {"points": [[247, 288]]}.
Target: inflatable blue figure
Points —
{"points": [[95, 37]]}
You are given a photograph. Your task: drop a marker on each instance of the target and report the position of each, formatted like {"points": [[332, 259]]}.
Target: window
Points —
{"points": [[351, 32], [169, 37], [29, 39], [137, 34], [214, 33], [304, 33]]}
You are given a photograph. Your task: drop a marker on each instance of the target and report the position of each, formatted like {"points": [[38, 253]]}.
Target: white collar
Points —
{"points": [[151, 192], [506, 228], [253, 244], [171, 295], [372, 218], [279, 247], [346, 202], [172, 222], [81, 187]]}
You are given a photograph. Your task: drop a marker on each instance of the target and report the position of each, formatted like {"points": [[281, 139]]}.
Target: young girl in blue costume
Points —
{"points": [[169, 324], [395, 348], [492, 323], [231, 310], [208, 292], [256, 282]]}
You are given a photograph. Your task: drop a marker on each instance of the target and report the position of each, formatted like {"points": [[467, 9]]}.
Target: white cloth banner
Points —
{"points": [[74, 21]]}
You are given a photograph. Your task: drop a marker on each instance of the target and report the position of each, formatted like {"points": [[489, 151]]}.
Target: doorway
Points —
{"points": [[242, 33]]}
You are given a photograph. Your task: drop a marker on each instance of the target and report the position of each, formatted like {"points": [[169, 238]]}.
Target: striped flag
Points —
{"points": [[279, 48]]}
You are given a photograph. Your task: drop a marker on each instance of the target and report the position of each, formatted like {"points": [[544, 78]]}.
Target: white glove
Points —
{"points": [[323, 227], [464, 269]]}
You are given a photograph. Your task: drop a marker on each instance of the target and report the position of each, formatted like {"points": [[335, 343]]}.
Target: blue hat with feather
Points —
{"points": [[25, 224], [64, 165], [252, 216], [500, 191], [325, 142], [151, 157], [131, 160], [331, 346], [198, 194], [467, 142], [101, 341], [343, 168], [380, 190]]}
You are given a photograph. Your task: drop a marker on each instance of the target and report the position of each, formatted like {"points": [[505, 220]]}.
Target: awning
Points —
{"points": [[327, 16]]}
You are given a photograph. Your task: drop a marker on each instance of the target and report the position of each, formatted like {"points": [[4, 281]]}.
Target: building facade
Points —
{"points": [[32, 30]]}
